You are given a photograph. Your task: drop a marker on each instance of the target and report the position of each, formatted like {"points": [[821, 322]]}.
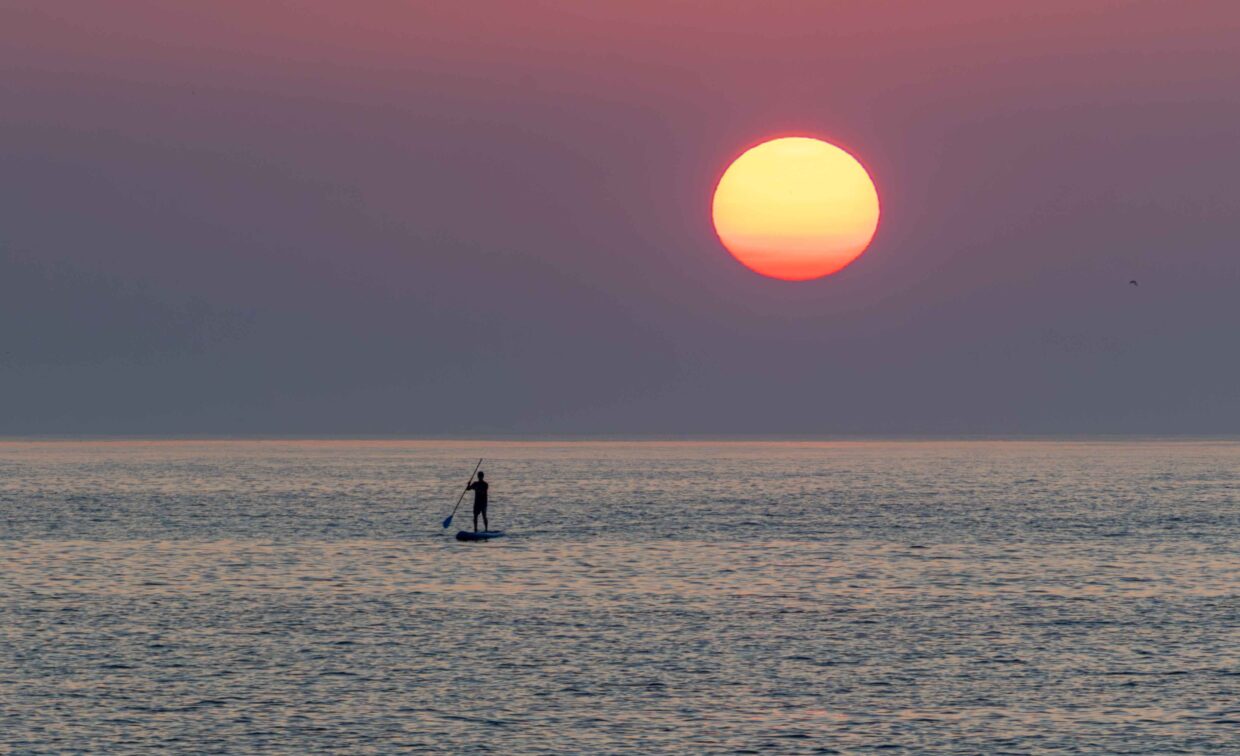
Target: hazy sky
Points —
{"points": [[245, 217]]}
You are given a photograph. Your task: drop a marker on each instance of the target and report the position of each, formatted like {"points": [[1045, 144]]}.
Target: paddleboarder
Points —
{"points": [[479, 487]]}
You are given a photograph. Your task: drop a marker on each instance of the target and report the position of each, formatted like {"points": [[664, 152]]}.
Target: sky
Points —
{"points": [[493, 218]]}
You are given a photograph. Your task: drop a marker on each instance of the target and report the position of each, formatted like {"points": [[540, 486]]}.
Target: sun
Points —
{"points": [[795, 208]]}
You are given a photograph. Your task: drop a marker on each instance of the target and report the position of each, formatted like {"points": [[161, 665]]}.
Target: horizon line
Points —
{"points": [[624, 437]]}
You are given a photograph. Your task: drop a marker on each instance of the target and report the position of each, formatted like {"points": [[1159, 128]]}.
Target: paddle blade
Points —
{"points": [[448, 521]]}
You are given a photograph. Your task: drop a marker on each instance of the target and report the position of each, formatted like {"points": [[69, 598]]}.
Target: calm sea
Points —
{"points": [[299, 597]]}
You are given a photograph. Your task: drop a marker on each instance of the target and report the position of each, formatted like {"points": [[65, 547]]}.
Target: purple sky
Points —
{"points": [[493, 218]]}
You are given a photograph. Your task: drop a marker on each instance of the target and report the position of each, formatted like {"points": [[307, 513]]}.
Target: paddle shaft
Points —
{"points": [[461, 498]]}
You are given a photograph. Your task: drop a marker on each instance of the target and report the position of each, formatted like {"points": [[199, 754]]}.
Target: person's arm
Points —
{"points": [[469, 487]]}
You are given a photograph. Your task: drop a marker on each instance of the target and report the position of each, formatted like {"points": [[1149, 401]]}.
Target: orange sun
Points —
{"points": [[795, 208]]}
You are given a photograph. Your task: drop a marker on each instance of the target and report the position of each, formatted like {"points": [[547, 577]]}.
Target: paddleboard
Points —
{"points": [[484, 535]]}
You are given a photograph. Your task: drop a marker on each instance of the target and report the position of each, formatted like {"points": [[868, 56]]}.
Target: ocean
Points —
{"points": [[782, 597]]}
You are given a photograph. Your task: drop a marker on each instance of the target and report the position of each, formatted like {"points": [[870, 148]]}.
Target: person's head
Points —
{"points": [[481, 475]]}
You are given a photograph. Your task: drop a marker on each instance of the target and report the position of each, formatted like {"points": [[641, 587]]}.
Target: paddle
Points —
{"points": [[448, 521]]}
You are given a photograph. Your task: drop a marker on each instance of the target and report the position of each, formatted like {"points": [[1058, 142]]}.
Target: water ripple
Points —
{"points": [[796, 598]]}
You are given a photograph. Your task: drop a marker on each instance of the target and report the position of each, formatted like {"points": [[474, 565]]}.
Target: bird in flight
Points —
{"points": [[1133, 283]]}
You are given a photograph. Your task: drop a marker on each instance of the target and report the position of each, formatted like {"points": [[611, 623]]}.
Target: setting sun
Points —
{"points": [[795, 208]]}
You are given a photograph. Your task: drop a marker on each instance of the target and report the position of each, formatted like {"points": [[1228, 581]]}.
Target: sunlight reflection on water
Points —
{"points": [[301, 596]]}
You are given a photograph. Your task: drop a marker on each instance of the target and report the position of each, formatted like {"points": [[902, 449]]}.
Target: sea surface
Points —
{"points": [[302, 597]]}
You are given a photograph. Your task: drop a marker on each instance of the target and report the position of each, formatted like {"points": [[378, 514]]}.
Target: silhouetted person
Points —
{"points": [[479, 487]]}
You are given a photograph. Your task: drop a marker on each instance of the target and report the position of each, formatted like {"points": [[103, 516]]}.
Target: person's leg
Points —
{"points": [[485, 525], [476, 519]]}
